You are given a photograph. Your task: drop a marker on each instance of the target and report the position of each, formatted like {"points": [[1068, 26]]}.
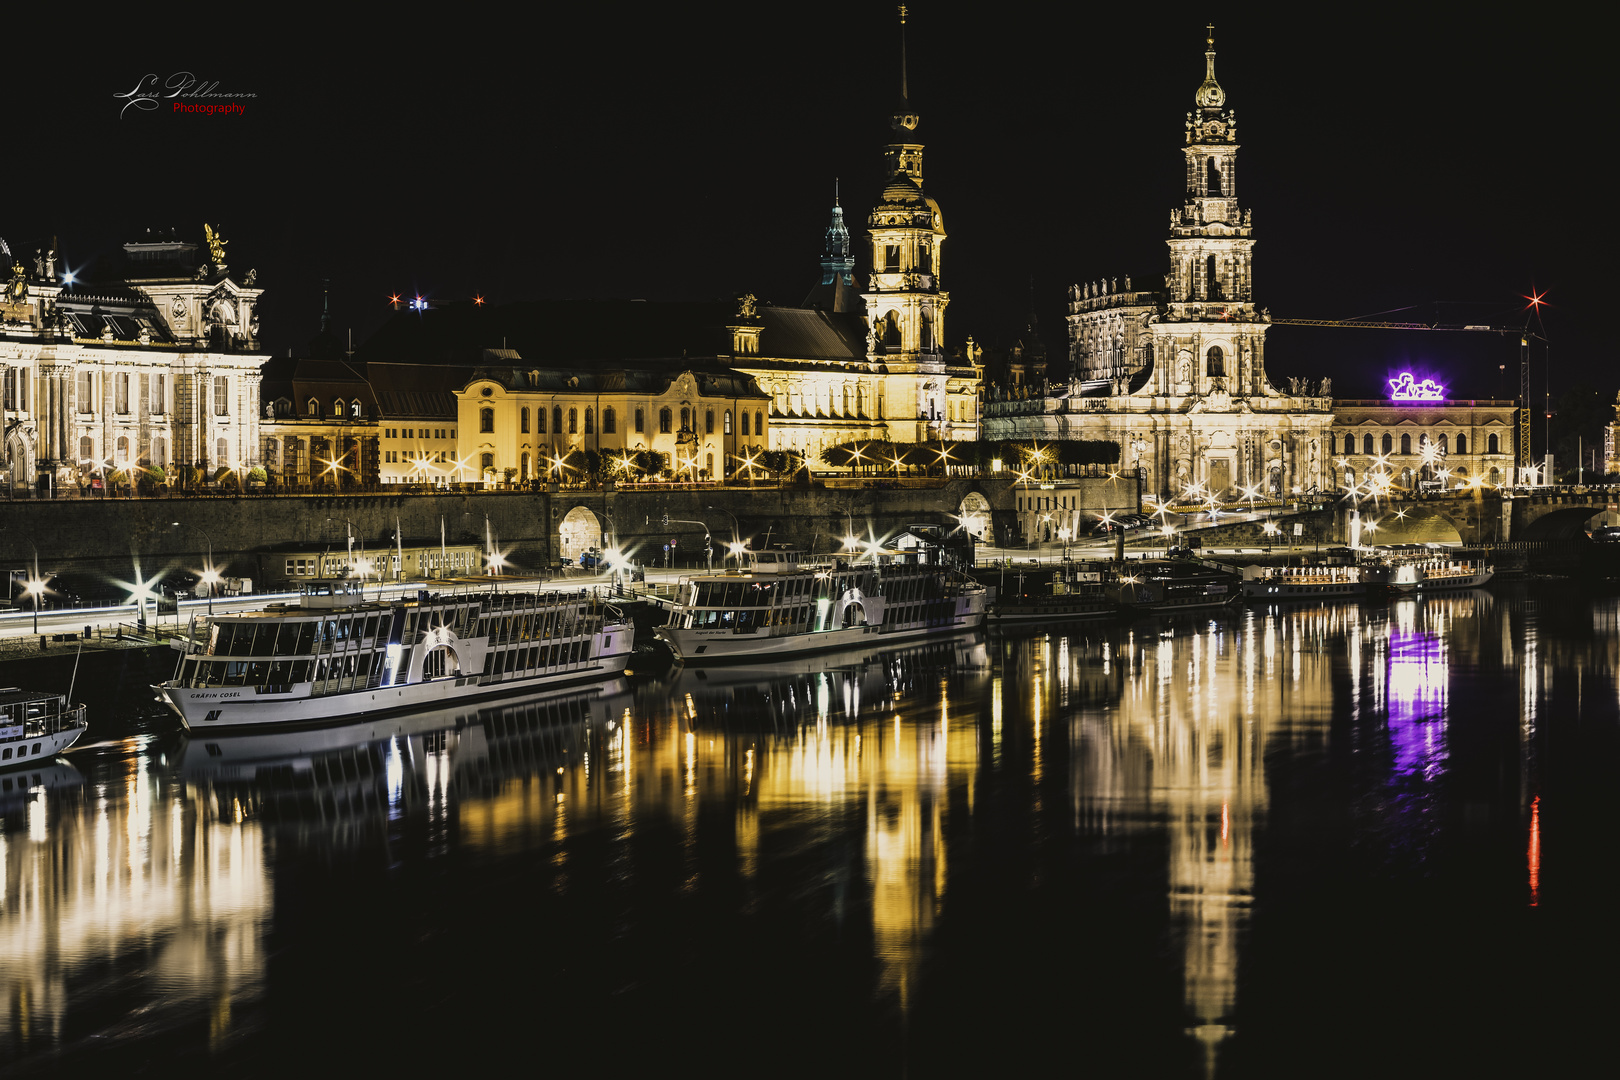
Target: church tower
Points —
{"points": [[905, 305], [836, 290], [1211, 339]]}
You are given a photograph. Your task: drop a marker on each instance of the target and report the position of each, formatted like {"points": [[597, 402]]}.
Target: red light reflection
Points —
{"points": [[1535, 851]]}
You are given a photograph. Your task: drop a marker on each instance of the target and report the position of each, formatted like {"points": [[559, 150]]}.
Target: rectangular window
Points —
{"points": [[121, 385], [86, 390], [708, 422], [590, 417], [159, 393], [610, 422], [641, 421], [222, 395]]}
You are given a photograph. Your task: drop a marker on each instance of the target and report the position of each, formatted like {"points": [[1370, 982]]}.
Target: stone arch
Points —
{"points": [[580, 530], [974, 513], [20, 454]]}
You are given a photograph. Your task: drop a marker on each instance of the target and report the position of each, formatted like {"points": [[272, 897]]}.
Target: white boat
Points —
{"points": [[1283, 583], [781, 606], [1430, 573], [337, 656], [35, 726]]}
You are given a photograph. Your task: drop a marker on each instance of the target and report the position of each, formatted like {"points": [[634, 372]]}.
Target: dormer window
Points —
{"points": [[314, 407]]}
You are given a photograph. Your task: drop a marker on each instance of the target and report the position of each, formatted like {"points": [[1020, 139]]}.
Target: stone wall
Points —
{"points": [[109, 536]]}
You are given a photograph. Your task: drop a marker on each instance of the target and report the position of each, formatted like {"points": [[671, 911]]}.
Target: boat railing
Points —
{"points": [[59, 717]]}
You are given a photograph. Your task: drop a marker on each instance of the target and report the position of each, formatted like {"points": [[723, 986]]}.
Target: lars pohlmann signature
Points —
{"points": [[149, 92]]}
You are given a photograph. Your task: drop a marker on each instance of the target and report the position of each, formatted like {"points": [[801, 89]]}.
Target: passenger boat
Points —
{"points": [[1154, 586], [1429, 573], [779, 605], [35, 726], [1281, 583], [337, 656], [1072, 594]]}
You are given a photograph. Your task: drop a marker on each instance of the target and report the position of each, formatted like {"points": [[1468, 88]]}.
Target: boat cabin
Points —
{"points": [[329, 593]]}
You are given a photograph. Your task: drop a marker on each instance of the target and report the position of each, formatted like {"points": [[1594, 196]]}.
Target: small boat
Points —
{"points": [[1312, 582], [336, 656], [1156, 586], [779, 604], [35, 726], [1074, 593]]}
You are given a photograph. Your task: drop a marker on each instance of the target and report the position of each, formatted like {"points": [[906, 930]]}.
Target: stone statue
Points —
{"points": [[1184, 368], [269, 410], [39, 263], [202, 272], [872, 338], [17, 288], [1127, 283], [252, 276], [745, 306], [1327, 387]]}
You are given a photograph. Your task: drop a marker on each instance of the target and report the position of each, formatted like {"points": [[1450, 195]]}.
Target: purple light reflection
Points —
{"points": [[1418, 679]]}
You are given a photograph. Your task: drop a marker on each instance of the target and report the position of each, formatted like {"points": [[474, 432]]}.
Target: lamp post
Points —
{"points": [[209, 575], [736, 529]]}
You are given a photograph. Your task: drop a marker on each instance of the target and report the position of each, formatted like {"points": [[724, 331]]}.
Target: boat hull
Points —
{"points": [[1449, 581], [1014, 613], [215, 709], [39, 748], [705, 646]]}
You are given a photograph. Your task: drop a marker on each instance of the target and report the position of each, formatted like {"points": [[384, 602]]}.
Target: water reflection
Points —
{"points": [[145, 887]]}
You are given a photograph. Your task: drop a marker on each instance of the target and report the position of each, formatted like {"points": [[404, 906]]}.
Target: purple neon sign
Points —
{"points": [[1405, 388]]}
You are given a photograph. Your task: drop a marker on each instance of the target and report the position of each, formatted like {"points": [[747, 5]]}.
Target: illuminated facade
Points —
{"points": [[1446, 441], [1178, 378], [159, 369], [517, 423]]}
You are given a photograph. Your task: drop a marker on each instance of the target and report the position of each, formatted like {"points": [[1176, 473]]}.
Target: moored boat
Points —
{"points": [[1313, 582], [1156, 586], [34, 726], [780, 605], [1431, 573], [336, 656], [1074, 593]]}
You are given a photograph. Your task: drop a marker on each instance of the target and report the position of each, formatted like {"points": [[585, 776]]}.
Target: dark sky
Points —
{"points": [[1391, 157]]}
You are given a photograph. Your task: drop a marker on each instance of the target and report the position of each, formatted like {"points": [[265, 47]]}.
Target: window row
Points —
{"points": [[154, 387], [534, 422], [419, 433], [1386, 445]]}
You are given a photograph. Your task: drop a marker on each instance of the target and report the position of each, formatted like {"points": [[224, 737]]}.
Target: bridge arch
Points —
{"points": [[578, 531]]}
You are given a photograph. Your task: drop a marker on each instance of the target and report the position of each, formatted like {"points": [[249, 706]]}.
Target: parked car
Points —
{"points": [[592, 560]]}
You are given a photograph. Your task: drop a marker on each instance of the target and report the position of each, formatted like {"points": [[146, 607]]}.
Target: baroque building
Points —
{"points": [[1177, 377], [160, 368]]}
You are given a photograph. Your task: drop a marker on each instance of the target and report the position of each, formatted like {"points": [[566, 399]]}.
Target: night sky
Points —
{"points": [[1390, 157]]}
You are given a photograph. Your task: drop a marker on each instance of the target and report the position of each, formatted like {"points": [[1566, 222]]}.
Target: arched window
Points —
{"points": [[610, 422], [1462, 444], [314, 407], [486, 421], [891, 330], [556, 419], [641, 421], [927, 337], [664, 420], [1406, 444], [1440, 443], [1215, 362], [1350, 443], [1495, 476], [1492, 447], [686, 419], [523, 466], [539, 421], [1212, 278], [523, 420], [759, 422], [1214, 177], [487, 462], [1367, 444], [590, 421], [708, 422], [573, 421], [1389, 443], [728, 422]]}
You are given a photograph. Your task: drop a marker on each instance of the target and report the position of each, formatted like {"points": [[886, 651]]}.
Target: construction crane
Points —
{"points": [[1524, 333]]}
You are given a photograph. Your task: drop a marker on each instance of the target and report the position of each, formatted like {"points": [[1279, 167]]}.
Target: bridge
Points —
{"points": [[1486, 517]]}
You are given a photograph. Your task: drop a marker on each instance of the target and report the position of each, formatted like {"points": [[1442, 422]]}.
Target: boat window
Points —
{"points": [[371, 626], [241, 641], [280, 672], [219, 639], [306, 638], [300, 671]]}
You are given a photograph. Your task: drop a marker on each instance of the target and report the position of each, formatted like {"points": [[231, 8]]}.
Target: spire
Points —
{"points": [[905, 119], [836, 248], [836, 292], [1210, 95]]}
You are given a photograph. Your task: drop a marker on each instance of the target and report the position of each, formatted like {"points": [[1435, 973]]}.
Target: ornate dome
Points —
{"points": [[1210, 95]]}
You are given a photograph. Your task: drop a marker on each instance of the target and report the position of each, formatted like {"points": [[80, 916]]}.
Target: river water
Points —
{"points": [[1327, 840]]}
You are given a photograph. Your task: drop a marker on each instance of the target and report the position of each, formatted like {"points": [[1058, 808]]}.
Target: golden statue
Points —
{"points": [[216, 246], [17, 287]]}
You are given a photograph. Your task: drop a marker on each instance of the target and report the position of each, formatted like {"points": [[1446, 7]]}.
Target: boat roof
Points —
{"points": [[12, 695]]}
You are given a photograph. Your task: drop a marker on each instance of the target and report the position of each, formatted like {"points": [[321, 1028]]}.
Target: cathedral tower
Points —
{"points": [[1210, 339], [836, 290], [904, 303]]}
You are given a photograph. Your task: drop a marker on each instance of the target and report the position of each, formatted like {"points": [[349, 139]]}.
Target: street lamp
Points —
{"points": [[35, 588], [736, 530], [209, 576]]}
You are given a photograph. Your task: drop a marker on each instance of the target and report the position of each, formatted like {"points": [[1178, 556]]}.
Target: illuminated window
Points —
{"points": [[87, 452], [686, 419], [891, 258], [222, 453], [486, 421], [1214, 177], [87, 394], [337, 408], [314, 407], [1440, 443], [664, 420], [728, 421], [610, 422], [523, 420]]}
